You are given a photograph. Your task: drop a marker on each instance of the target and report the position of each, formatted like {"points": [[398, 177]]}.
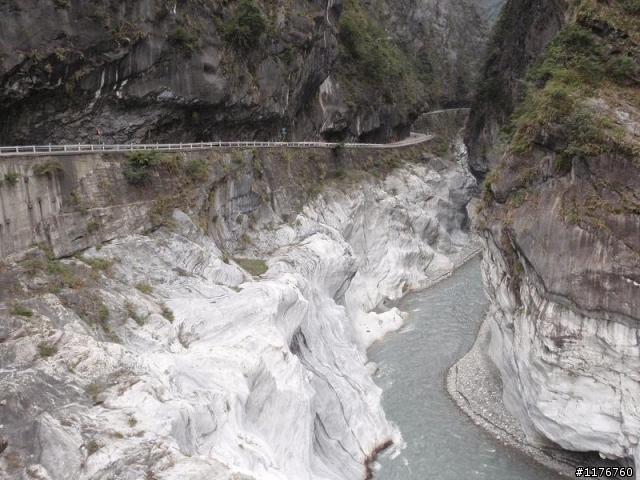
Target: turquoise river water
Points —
{"points": [[440, 442]]}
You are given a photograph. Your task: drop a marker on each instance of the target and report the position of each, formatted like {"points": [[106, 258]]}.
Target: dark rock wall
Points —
{"points": [[155, 70]]}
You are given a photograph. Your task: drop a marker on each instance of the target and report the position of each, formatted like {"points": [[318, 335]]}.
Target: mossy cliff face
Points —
{"points": [[518, 38], [150, 70], [554, 131]]}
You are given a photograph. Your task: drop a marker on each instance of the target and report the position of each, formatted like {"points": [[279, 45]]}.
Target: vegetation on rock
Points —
{"points": [[255, 267], [45, 350], [246, 26], [49, 168], [370, 64], [11, 178], [183, 39], [572, 69], [137, 168], [21, 311], [574, 109]]}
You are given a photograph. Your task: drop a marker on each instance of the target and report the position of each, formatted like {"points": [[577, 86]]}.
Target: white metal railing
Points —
{"points": [[88, 148]]}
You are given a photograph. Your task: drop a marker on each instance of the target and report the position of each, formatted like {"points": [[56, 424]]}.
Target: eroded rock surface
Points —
{"points": [[159, 355]]}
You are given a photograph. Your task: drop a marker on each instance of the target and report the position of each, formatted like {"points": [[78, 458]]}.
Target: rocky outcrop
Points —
{"points": [[227, 343], [150, 70], [560, 223]]}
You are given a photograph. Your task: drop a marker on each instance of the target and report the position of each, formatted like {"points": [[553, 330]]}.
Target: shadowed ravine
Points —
{"points": [[441, 443]]}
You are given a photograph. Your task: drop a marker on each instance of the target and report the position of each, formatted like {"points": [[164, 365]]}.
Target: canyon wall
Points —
{"points": [[554, 133], [155, 70]]}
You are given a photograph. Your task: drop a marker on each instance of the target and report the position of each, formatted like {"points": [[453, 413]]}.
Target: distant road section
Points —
{"points": [[413, 139]]}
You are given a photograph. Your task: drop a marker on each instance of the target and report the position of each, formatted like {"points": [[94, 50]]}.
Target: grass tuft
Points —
{"points": [[45, 349], [144, 287], [21, 311]]}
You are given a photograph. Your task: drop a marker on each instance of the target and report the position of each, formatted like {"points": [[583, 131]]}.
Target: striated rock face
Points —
{"points": [[561, 228], [160, 356], [150, 70], [570, 376], [155, 70], [373, 217]]}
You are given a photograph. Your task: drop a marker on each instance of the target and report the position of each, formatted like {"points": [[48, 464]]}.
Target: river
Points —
{"points": [[440, 441]]}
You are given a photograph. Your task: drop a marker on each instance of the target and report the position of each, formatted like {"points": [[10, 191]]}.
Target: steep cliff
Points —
{"points": [[517, 39], [554, 131], [226, 341], [151, 70]]}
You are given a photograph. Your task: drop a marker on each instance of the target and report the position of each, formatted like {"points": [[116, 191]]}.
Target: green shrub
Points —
{"points": [[101, 264], [98, 15], [622, 68], [92, 447], [93, 226], [631, 6], [136, 169], [518, 268], [49, 168], [236, 158], [21, 311], [12, 178], [366, 48], [246, 26], [94, 389], [196, 170], [144, 287], [103, 313], [46, 349], [183, 39], [562, 163]]}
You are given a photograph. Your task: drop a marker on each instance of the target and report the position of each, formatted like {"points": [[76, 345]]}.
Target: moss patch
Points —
{"points": [[255, 267]]}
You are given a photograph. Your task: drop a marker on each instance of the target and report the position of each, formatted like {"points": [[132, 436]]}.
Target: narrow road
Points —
{"points": [[413, 139]]}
